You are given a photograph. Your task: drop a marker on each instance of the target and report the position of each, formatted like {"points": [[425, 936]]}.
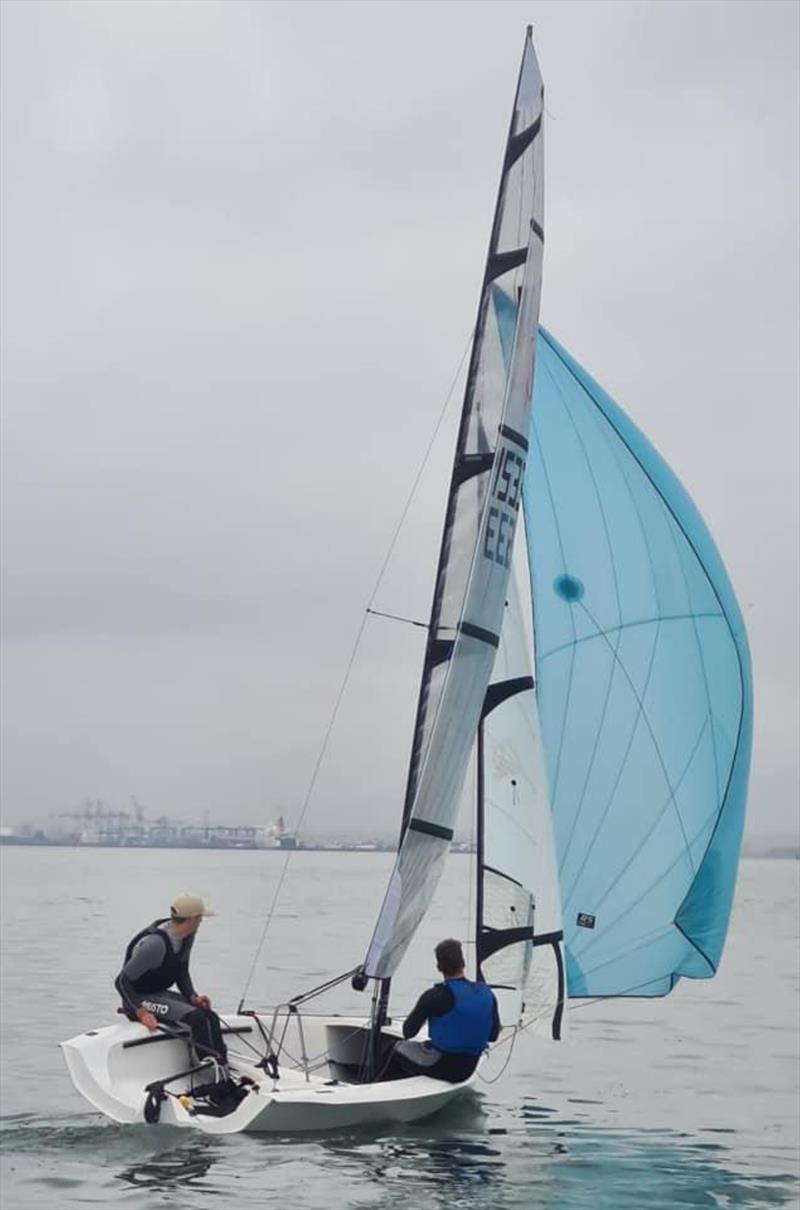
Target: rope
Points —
{"points": [[517, 1029], [348, 670], [510, 1041], [419, 473]]}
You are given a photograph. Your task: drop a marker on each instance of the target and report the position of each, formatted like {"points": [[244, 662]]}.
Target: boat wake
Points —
{"points": [[558, 1159]]}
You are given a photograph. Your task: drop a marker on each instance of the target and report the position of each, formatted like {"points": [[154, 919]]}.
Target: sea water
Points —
{"points": [[687, 1101]]}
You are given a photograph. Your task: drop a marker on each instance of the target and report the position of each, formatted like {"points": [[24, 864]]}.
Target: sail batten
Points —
{"points": [[520, 142], [504, 262], [429, 829]]}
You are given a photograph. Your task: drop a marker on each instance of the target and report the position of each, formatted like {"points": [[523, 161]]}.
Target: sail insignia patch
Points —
{"points": [[585, 921]]}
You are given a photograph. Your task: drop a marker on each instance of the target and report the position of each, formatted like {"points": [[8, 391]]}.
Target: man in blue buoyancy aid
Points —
{"points": [[155, 959], [462, 1019]]}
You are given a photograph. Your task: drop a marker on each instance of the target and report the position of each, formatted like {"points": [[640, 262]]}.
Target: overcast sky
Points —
{"points": [[242, 244]]}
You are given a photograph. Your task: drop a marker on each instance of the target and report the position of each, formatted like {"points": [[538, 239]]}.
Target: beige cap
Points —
{"points": [[190, 905]]}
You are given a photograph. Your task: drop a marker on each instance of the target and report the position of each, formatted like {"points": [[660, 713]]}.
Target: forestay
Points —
{"points": [[483, 505], [644, 691], [519, 938]]}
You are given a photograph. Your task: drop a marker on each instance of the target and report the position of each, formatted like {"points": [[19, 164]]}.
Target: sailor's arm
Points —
{"points": [[435, 1002], [184, 984]]}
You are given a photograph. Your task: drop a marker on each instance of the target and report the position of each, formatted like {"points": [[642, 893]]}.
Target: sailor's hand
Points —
{"points": [[147, 1019], [201, 1002]]}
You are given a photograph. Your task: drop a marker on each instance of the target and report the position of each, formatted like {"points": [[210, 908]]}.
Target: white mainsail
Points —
{"points": [[519, 945], [475, 557]]}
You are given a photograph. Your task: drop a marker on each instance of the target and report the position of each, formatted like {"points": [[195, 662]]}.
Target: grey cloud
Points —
{"points": [[242, 249]]}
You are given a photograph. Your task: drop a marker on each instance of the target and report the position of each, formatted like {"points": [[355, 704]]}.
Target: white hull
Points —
{"points": [[111, 1074]]}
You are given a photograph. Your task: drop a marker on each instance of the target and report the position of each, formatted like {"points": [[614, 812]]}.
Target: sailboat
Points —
{"points": [[596, 669]]}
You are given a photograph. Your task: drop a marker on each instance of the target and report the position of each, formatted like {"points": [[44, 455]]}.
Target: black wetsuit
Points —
{"points": [[154, 961]]}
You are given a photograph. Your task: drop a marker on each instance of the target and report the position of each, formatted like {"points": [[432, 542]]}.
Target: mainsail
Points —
{"points": [[518, 937], [483, 505], [644, 691]]}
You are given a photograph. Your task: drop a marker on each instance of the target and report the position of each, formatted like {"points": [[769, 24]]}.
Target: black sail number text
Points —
{"points": [[498, 541]]}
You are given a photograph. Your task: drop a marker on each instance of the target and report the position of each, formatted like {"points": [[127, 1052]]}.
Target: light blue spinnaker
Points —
{"points": [[644, 692]]}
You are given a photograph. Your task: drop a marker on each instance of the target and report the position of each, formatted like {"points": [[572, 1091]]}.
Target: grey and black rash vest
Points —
{"points": [[151, 964]]}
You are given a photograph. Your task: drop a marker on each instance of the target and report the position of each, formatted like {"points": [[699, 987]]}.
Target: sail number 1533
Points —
{"points": [[503, 507]]}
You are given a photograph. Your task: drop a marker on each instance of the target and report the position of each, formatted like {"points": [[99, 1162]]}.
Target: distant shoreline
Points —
{"points": [[19, 842], [29, 842], [777, 853]]}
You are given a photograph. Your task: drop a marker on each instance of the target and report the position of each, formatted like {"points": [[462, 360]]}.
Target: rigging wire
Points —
{"points": [[350, 663], [412, 493], [395, 617]]}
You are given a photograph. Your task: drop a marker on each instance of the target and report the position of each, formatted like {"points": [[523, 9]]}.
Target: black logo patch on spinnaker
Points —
{"points": [[585, 921]]}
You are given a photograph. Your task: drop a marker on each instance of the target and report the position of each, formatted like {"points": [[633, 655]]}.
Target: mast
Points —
{"points": [[478, 535], [480, 829]]}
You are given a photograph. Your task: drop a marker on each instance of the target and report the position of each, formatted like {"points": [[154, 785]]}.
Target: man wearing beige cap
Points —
{"points": [[158, 957]]}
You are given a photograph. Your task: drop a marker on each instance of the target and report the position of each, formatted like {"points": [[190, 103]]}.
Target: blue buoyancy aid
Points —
{"points": [[466, 1028]]}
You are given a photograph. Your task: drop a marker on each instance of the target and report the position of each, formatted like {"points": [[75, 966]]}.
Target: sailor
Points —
{"points": [[158, 958], [462, 1019]]}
